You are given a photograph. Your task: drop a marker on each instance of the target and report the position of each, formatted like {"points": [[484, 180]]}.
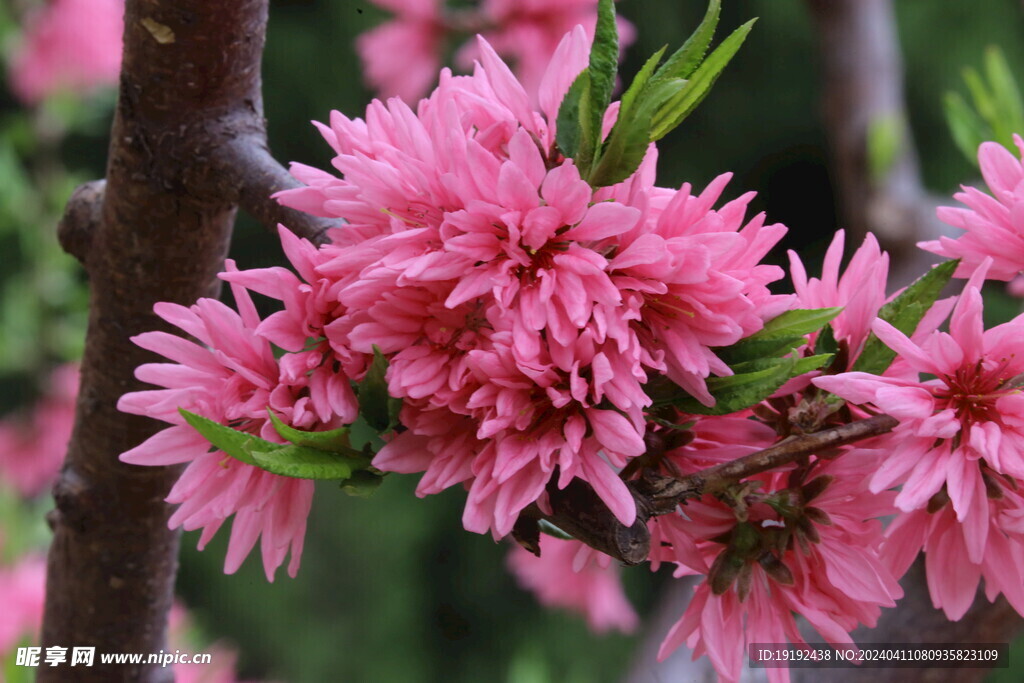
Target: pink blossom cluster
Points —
{"points": [[68, 46], [33, 446], [402, 57]]}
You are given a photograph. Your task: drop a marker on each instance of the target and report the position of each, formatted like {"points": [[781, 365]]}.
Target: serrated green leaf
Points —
{"points": [[904, 313], [308, 463], [799, 321], [697, 87], [570, 128], [779, 336], [753, 382], [639, 83], [627, 144], [965, 125], [604, 63], [237, 444], [335, 440], [362, 484], [752, 349], [373, 393], [686, 59]]}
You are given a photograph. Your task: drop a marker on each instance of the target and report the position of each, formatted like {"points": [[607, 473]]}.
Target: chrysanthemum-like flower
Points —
{"points": [[32, 449], [572, 576], [516, 304], [971, 414], [68, 46], [994, 224], [810, 549], [233, 378]]}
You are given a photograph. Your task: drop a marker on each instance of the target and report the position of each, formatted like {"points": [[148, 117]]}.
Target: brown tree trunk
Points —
{"points": [[157, 231]]}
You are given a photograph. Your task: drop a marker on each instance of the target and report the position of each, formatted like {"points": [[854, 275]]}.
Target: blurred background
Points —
{"points": [[392, 588]]}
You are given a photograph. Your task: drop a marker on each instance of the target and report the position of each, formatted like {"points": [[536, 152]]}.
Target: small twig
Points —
{"points": [[665, 493], [259, 175], [579, 511]]}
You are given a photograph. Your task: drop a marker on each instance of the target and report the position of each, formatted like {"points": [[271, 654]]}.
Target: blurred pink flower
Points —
{"points": [[402, 56], [22, 594], [33, 447], [69, 46], [570, 575], [233, 378], [994, 224]]}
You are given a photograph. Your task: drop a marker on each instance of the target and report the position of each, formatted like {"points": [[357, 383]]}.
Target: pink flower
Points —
{"points": [[68, 46], [233, 378], [957, 554], [860, 290], [401, 57], [994, 224], [570, 575], [521, 311], [22, 593], [527, 33], [808, 547], [971, 414], [32, 449]]}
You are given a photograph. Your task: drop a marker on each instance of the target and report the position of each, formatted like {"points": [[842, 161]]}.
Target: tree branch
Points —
{"points": [[256, 173], [578, 510], [862, 84], [158, 231]]}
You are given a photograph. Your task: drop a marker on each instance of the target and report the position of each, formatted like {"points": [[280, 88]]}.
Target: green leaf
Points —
{"points": [[1009, 110], [362, 483], [780, 335], [604, 63], [826, 342], [884, 138], [639, 83], [965, 125], [685, 60], [373, 394], [237, 444], [364, 437], [335, 441], [570, 124], [904, 313], [308, 463], [799, 321], [753, 382], [697, 87], [627, 144]]}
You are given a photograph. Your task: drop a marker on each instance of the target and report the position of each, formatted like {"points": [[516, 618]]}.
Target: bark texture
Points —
{"points": [[157, 230]]}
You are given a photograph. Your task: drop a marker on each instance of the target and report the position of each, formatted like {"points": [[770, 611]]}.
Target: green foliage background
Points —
{"points": [[391, 588]]}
